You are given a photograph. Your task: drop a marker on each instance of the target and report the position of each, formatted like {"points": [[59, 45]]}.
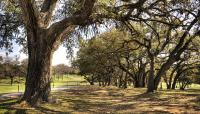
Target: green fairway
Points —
{"points": [[67, 80], [6, 87]]}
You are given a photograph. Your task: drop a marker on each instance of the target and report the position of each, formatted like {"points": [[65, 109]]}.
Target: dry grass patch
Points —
{"points": [[93, 99]]}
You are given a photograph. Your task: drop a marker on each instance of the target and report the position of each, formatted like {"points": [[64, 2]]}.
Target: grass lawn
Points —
{"points": [[67, 80], [86, 99], [5, 86], [93, 99]]}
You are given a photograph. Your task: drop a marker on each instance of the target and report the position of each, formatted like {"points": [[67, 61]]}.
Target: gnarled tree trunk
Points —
{"points": [[43, 38], [38, 78]]}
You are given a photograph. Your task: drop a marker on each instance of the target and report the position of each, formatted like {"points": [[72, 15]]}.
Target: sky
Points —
{"points": [[59, 57]]}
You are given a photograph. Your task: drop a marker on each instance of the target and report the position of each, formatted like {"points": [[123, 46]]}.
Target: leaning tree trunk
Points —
{"points": [[163, 70], [176, 79], [150, 86], [38, 78]]}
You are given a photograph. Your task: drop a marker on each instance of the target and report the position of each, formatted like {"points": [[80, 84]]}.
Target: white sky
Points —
{"points": [[59, 57]]}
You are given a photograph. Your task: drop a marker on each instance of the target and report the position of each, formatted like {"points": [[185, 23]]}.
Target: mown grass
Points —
{"points": [[67, 80], [6, 87], [93, 99]]}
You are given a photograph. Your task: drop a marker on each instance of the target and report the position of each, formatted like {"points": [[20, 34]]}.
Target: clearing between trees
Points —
{"points": [[94, 99]]}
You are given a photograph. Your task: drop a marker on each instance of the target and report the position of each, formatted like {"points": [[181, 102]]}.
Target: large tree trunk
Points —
{"points": [[43, 37], [38, 78]]}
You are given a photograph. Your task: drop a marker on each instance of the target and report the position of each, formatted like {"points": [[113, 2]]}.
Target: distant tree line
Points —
{"points": [[11, 67], [61, 69]]}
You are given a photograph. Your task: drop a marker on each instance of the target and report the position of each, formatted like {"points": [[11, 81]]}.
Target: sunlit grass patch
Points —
{"points": [[67, 80]]}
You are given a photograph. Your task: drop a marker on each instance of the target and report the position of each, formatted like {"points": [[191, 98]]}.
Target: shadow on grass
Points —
{"points": [[8, 102], [148, 96], [87, 104], [7, 105], [105, 100], [50, 111], [20, 111]]}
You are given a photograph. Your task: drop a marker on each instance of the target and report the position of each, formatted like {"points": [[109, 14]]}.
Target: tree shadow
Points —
{"points": [[155, 112], [148, 97], [20, 111], [105, 100], [50, 111], [8, 105]]}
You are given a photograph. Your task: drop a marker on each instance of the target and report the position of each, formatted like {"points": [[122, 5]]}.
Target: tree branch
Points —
{"points": [[46, 12], [29, 13], [182, 39], [81, 18]]}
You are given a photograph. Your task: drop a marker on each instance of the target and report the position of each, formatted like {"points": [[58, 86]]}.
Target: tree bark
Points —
{"points": [[150, 87], [42, 39], [38, 78], [178, 74], [140, 76]]}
